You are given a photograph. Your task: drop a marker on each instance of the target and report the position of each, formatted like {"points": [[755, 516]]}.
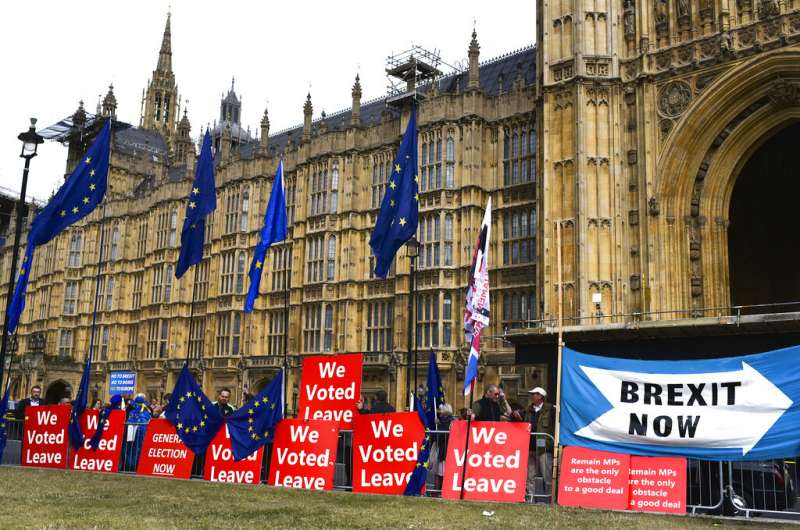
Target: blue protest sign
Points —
{"points": [[122, 383], [734, 408]]}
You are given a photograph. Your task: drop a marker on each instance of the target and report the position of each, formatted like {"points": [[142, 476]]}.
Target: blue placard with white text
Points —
{"points": [[733, 408], [122, 383]]}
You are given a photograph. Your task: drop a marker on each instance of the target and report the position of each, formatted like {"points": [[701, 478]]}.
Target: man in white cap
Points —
{"points": [[542, 417]]}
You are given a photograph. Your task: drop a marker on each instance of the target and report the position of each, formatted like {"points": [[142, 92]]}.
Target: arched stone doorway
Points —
{"points": [[56, 391], [763, 237]]}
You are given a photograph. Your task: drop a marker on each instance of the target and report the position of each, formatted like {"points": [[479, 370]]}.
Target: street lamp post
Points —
{"points": [[30, 144], [412, 250]]}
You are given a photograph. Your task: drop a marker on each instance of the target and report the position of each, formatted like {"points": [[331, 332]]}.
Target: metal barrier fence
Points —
{"points": [[732, 488]]}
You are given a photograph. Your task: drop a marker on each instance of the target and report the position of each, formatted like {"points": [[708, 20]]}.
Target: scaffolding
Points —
{"points": [[417, 66]]}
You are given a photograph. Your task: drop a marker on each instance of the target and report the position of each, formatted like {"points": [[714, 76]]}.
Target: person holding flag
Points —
{"points": [[427, 415], [253, 425], [201, 202], [399, 213], [80, 194], [476, 310], [274, 230]]}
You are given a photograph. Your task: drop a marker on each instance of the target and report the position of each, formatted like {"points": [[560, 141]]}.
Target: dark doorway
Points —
{"points": [[764, 236], [56, 391]]}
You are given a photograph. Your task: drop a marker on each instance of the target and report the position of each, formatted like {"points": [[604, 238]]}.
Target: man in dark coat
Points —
{"points": [[379, 406], [542, 417], [488, 407], [222, 402], [34, 401]]}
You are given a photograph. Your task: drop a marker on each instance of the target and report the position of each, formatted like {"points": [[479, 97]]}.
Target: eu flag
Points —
{"points": [[83, 190], [201, 202], [254, 424], [76, 436], [399, 213], [427, 415], [274, 230], [195, 419], [3, 426]]}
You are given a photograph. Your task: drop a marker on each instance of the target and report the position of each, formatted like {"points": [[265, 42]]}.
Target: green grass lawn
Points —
{"points": [[38, 498]]}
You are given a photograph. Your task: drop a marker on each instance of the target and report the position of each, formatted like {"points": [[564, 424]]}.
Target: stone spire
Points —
{"points": [[355, 119], [265, 132], [184, 147], [79, 117], [110, 103], [474, 82], [165, 54], [307, 111]]}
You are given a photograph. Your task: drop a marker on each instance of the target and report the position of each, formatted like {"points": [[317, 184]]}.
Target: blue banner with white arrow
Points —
{"points": [[734, 408]]}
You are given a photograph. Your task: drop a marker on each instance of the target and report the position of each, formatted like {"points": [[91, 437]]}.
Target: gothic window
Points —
{"points": [[427, 320], [334, 188], [136, 297], [70, 297], [447, 319], [201, 281], [244, 217], [65, 343], [209, 233], [74, 259], [290, 202], [331, 269], [240, 265], [450, 169], [173, 227], [380, 326], [314, 258], [519, 307], [229, 334], [275, 334], [197, 333], [168, 274], [281, 257], [141, 239], [519, 155], [162, 230], [319, 191], [104, 333], [156, 289], [328, 340], [232, 206], [430, 173], [519, 235], [157, 337], [448, 239], [109, 301], [115, 250], [44, 303], [429, 230], [133, 341], [311, 328], [227, 272]]}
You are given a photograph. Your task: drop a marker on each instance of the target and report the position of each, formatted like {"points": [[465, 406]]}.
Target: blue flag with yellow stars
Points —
{"points": [[83, 190], [254, 424], [3, 427], [195, 419], [420, 474], [274, 230], [399, 213], [102, 419], [76, 436], [435, 396], [201, 202]]}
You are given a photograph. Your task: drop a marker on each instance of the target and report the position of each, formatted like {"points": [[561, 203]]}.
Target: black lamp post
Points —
{"points": [[412, 250], [30, 144]]}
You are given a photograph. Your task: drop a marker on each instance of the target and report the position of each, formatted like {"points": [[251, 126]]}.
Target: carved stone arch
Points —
{"points": [[696, 173]]}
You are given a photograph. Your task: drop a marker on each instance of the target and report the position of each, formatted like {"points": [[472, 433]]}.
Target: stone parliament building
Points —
{"points": [[653, 134]]}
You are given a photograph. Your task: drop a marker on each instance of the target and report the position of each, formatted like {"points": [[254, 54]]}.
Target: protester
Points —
{"points": [[504, 406], [444, 420], [379, 406], [98, 404], [488, 408], [34, 401], [223, 402], [139, 415], [542, 416], [465, 414], [517, 412], [66, 400]]}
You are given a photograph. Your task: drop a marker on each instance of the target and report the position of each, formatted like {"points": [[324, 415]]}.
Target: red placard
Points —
{"points": [[304, 454], [497, 461], [45, 441], [330, 387], [163, 453], [106, 457], [657, 484], [385, 451], [221, 467], [593, 479]]}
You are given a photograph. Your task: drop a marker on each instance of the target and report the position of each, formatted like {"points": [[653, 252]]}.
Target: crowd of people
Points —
{"points": [[492, 406]]}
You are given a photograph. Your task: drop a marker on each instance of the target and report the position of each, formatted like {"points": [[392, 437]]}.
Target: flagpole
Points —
{"points": [[287, 292], [191, 312], [466, 442], [89, 354], [556, 448]]}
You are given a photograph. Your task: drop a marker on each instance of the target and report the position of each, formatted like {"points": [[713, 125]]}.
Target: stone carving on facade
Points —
{"points": [[746, 36], [663, 59], [662, 18], [706, 9], [653, 207], [744, 6], [629, 19], [686, 53], [783, 94], [794, 21], [684, 14], [597, 68], [771, 28], [674, 98], [768, 8]]}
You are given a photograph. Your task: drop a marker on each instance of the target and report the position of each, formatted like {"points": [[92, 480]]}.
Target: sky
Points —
{"points": [[56, 53]]}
